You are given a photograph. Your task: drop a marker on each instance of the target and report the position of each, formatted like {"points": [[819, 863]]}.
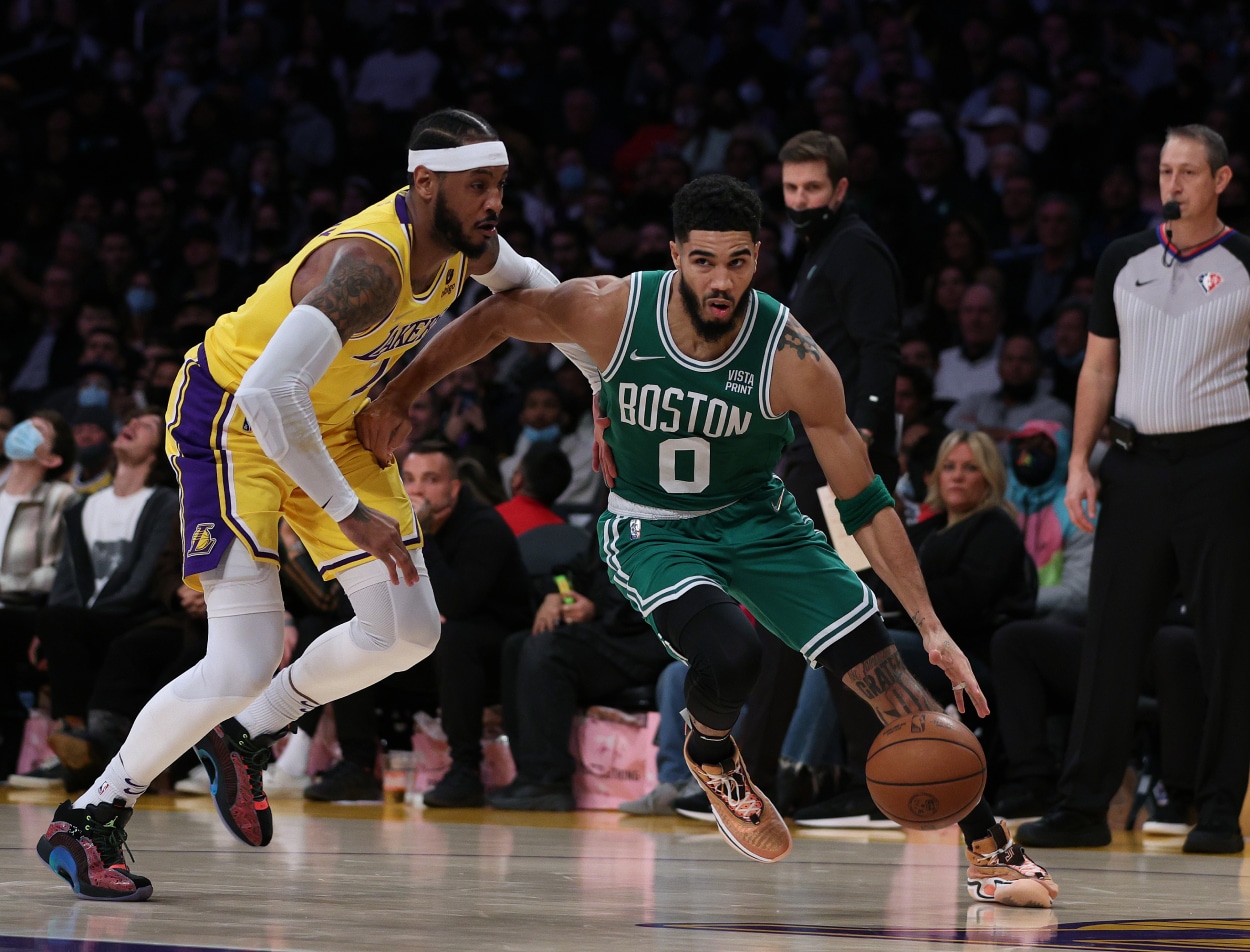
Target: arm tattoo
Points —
{"points": [[355, 295], [796, 337], [886, 684]]}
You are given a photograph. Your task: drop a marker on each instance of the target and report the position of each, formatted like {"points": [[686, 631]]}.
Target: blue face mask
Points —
{"points": [[23, 441], [547, 434], [93, 396]]}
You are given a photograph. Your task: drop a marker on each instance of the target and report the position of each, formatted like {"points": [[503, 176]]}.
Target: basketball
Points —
{"points": [[926, 771]]}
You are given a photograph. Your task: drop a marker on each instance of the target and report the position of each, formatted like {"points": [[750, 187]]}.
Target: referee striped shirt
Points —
{"points": [[1184, 329]]}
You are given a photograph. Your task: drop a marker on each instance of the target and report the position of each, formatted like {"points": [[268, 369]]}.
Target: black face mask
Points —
{"points": [[94, 457], [1033, 459], [804, 219]]}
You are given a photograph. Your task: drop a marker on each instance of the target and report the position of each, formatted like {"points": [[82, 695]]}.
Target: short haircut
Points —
{"points": [[716, 203], [814, 146], [449, 128], [1212, 141], [431, 447], [545, 472], [62, 442]]}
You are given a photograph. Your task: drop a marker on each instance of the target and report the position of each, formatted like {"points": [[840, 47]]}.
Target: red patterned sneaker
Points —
{"points": [[235, 762], [745, 816], [999, 871], [84, 847]]}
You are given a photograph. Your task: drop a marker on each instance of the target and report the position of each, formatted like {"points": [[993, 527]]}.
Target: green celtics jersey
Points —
{"points": [[690, 434]]}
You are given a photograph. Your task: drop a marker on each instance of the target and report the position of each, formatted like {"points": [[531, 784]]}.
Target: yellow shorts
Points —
{"points": [[231, 490]]}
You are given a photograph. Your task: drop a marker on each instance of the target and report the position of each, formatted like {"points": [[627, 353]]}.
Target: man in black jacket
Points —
{"points": [[482, 588], [849, 296], [583, 647]]}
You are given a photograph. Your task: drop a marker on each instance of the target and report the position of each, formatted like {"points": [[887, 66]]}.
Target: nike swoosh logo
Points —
{"points": [[634, 355], [1151, 281]]}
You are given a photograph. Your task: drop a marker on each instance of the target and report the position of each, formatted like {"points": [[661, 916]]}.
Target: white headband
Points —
{"points": [[462, 158]]}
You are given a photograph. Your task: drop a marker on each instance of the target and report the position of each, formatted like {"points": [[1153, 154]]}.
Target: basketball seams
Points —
{"points": [[927, 784]]}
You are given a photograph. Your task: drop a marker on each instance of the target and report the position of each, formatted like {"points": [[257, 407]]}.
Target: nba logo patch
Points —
{"points": [[1210, 280], [202, 539], [635, 528]]}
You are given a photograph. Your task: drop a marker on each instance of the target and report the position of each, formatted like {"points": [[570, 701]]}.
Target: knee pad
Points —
{"points": [[240, 585], [856, 646], [392, 616], [722, 648]]}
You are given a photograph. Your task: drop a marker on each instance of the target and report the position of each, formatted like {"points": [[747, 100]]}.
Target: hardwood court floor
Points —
{"points": [[366, 878]]}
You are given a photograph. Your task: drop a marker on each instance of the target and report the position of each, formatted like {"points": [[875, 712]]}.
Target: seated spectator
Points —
{"points": [[979, 577], [482, 589], [1068, 337], [1037, 283], [103, 585], [537, 482], [1036, 479], [582, 648], [1018, 398], [32, 501], [425, 416], [913, 395], [93, 443], [917, 457], [545, 417], [971, 366], [674, 780]]}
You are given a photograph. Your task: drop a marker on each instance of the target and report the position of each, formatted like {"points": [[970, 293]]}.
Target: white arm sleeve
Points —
{"points": [[513, 271], [274, 397]]}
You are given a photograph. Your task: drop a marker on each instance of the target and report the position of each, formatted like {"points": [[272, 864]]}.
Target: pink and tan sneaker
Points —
{"points": [[999, 871], [745, 816]]}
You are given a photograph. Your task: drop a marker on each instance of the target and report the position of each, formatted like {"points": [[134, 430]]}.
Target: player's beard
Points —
{"points": [[710, 331], [451, 230]]}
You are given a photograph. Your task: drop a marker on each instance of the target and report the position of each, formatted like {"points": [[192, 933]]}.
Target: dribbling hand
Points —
{"points": [[378, 534], [947, 655]]}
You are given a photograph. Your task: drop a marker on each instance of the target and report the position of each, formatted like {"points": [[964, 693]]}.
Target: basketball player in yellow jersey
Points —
{"points": [[261, 428]]}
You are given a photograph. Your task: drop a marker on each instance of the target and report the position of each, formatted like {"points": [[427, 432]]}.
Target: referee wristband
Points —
{"points": [[858, 511]]}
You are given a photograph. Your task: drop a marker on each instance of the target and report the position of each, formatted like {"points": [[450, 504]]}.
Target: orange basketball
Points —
{"points": [[926, 771]]}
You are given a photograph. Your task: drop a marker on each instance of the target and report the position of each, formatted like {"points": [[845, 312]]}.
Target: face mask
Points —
{"points": [[23, 441], [571, 177], [93, 396], [1033, 461], [547, 434], [93, 457], [805, 218], [140, 300]]}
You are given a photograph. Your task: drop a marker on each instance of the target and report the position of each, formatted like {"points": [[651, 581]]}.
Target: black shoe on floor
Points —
{"points": [[1064, 828], [1220, 838], [852, 809], [523, 795], [460, 787], [345, 782], [695, 807], [1019, 800]]}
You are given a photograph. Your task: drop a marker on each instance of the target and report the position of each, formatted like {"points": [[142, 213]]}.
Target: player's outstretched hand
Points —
{"points": [[601, 460], [382, 427], [379, 535], [947, 655]]}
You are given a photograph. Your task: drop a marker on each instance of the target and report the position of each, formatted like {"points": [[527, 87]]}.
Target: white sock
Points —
{"points": [[279, 705], [294, 758], [113, 784]]}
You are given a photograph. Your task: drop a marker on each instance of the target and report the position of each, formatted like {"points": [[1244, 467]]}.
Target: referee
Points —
{"points": [[1168, 343]]}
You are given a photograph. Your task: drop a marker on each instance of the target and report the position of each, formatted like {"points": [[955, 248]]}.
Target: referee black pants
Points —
{"points": [[1174, 510]]}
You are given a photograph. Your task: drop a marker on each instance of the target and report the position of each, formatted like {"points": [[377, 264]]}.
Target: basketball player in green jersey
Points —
{"points": [[699, 373]]}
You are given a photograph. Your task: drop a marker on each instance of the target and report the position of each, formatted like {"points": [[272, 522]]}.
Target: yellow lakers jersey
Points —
{"points": [[236, 340]]}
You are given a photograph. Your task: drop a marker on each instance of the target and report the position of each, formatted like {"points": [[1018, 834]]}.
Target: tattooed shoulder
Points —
{"points": [[356, 294], [798, 339]]}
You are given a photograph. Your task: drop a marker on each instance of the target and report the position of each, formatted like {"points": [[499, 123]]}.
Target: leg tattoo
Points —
{"points": [[888, 687]]}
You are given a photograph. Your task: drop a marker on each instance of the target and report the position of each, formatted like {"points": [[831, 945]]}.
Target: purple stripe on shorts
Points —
{"points": [[206, 534]]}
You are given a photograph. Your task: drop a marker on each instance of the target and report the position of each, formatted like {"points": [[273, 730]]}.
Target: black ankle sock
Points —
{"points": [[978, 824], [710, 750]]}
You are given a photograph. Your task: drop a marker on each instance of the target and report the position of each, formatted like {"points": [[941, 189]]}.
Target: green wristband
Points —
{"points": [[858, 511]]}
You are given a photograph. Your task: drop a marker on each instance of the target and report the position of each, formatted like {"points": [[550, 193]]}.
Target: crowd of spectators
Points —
{"points": [[155, 169]]}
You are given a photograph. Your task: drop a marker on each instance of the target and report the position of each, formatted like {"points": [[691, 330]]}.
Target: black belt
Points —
{"points": [[1194, 439]]}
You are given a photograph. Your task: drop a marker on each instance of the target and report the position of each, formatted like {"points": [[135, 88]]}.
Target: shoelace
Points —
{"points": [[255, 758], [109, 841], [740, 798]]}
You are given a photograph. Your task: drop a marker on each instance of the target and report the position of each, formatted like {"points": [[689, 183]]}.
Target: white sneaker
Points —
{"points": [[47, 776], [280, 785], [195, 783]]}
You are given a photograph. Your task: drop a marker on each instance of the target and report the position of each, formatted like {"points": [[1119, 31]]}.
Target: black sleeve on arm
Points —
{"points": [[1102, 319], [868, 285]]}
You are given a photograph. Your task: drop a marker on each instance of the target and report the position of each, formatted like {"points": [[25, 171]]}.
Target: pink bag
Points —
{"points": [[615, 757], [431, 758], [35, 750]]}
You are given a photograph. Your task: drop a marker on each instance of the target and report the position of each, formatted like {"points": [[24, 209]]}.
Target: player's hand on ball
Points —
{"points": [[947, 655], [379, 535], [382, 427]]}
